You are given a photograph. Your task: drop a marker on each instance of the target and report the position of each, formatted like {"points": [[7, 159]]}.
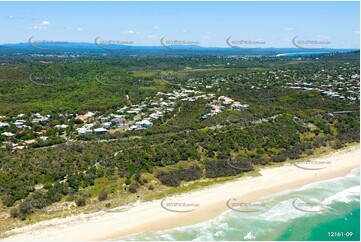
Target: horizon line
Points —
{"points": [[220, 47]]}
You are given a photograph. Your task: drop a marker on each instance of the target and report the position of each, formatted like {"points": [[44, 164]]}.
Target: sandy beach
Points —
{"points": [[192, 207]]}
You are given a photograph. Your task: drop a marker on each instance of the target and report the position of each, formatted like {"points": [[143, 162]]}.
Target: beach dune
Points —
{"points": [[189, 208]]}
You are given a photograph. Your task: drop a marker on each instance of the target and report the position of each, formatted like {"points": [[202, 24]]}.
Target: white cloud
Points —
{"points": [[130, 32], [289, 29], [156, 27], [356, 32], [43, 25]]}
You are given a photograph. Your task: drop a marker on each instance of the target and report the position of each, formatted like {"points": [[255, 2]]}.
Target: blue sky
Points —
{"points": [[209, 23]]}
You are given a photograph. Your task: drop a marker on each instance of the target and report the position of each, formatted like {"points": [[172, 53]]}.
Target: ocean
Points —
{"points": [[302, 54], [327, 210]]}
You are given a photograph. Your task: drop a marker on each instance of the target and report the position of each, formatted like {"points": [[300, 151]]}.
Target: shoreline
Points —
{"points": [[211, 202]]}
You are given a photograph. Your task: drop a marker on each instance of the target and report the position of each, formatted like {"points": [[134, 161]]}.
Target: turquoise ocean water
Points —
{"points": [[327, 210]]}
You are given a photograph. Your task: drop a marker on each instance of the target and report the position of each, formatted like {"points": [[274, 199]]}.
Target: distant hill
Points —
{"points": [[92, 48]]}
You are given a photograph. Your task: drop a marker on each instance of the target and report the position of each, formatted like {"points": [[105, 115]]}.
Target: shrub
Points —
{"points": [[70, 198], [257, 160], [25, 208], [22, 216], [133, 188], [137, 176], [279, 158], [294, 156], [103, 196], [8, 200], [169, 180], [309, 152], [337, 145], [14, 213], [174, 178], [38, 203], [80, 202], [127, 181], [227, 167], [121, 173]]}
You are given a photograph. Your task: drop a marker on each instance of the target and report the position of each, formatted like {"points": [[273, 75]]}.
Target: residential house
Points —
{"points": [[100, 131], [8, 134], [61, 126], [106, 125], [84, 131], [4, 125], [238, 106]]}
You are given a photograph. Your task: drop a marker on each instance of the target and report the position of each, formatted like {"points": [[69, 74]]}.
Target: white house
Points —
{"points": [[100, 131], [237, 106], [144, 123], [61, 126], [8, 134], [4, 125], [19, 123], [83, 131], [106, 125]]}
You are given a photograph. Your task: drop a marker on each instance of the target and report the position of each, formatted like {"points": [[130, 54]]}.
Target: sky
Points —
{"points": [[209, 24]]}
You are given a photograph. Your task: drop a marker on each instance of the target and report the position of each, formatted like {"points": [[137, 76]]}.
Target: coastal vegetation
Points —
{"points": [[282, 122]]}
